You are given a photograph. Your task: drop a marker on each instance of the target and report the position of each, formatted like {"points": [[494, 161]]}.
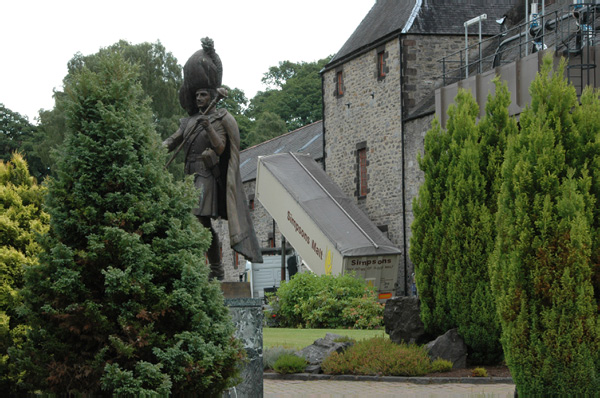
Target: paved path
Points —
{"points": [[347, 389]]}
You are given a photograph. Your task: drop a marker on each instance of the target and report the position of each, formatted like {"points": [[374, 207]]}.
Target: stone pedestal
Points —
{"points": [[247, 316]]}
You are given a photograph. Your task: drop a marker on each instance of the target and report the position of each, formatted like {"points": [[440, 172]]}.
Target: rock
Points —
{"points": [[402, 320], [320, 349], [451, 347]]}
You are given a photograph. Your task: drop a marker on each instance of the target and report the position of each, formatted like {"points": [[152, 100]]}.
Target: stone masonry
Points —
{"points": [[369, 113], [421, 66]]}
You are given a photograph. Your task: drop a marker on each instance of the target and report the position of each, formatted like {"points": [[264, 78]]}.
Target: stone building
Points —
{"points": [[378, 103], [381, 92]]}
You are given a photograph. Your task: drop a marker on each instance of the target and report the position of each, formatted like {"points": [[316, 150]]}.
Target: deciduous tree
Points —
{"points": [[293, 93]]}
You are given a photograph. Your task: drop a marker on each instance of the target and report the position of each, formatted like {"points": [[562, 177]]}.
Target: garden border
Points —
{"points": [[398, 379]]}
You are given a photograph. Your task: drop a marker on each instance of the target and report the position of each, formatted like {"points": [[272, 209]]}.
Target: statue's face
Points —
{"points": [[202, 98]]}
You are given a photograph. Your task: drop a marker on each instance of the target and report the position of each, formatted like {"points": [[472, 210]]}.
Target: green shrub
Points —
{"points": [[344, 339], [441, 365], [289, 363], [272, 354], [364, 313], [326, 301], [479, 372], [120, 302], [21, 218], [379, 356]]}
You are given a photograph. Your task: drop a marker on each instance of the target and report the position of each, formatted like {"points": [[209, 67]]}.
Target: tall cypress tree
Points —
{"points": [[455, 226], [470, 237], [428, 232], [121, 302], [542, 267]]}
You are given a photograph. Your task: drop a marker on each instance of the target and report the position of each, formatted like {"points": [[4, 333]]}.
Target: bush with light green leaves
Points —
{"points": [[21, 220]]}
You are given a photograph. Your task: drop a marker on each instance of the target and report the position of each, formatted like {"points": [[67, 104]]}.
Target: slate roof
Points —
{"points": [[307, 140], [389, 18], [386, 17], [449, 16]]}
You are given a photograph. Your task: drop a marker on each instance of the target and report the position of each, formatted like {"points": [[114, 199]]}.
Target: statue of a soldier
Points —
{"points": [[211, 143]]}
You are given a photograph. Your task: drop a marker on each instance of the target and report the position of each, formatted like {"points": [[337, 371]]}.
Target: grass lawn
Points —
{"points": [[300, 338]]}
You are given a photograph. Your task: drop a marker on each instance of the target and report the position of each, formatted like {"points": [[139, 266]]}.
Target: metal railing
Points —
{"points": [[570, 31]]}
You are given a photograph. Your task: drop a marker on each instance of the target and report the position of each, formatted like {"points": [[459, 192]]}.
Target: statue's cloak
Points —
{"points": [[233, 205]]}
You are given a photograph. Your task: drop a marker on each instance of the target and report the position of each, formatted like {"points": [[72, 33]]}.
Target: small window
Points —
{"points": [[362, 172], [340, 83], [381, 64], [362, 177], [251, 201], [236, 260]]}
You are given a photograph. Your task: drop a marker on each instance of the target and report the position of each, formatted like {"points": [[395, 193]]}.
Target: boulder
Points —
{"points": [[451, 347], [320, 349], [402, 320]]}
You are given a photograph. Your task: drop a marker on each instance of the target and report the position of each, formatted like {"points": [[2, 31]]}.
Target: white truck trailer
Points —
{"points": [[331, 234]]}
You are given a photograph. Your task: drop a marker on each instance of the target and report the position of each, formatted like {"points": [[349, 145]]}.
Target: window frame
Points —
{"points": [[362, 172]]}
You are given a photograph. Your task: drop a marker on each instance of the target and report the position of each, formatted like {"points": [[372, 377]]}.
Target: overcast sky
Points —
{"points": [[39, 37]]}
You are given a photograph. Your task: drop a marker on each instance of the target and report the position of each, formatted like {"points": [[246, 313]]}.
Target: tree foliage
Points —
{"points": [[428, 233], [454, 228], [293, 93], [159, 74], [120, 303], [21, 218], [544, 269], [17, 134], [267, 127], [236, 103]]}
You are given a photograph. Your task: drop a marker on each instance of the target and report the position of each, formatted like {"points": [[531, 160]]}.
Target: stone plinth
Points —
{"points": [[247, 316]]}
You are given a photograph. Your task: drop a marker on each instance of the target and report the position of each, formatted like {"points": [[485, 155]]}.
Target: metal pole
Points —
{"points": [[467, 50], [283, 244], [543, 21], [480, 70], [467, 24], [526, 27]]}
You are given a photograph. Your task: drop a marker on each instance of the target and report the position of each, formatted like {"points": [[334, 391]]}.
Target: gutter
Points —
{"points": [[402, 157], [323, 119]]}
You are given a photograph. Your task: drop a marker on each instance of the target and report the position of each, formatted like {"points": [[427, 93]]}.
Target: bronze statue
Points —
{"points": [[211, 140]]}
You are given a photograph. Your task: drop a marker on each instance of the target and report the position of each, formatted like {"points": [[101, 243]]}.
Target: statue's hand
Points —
{"points": [[203, 121]]}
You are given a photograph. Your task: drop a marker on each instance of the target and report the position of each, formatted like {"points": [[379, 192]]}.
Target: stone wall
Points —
{"points": [[368, 113], [414, 138], [422, 71]]}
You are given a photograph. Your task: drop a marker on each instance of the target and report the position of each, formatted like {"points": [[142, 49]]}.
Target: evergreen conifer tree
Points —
{"points": [[461, 166], [469, 238], [428, 232], [542, 267], [21, 218], [120, 303]]}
